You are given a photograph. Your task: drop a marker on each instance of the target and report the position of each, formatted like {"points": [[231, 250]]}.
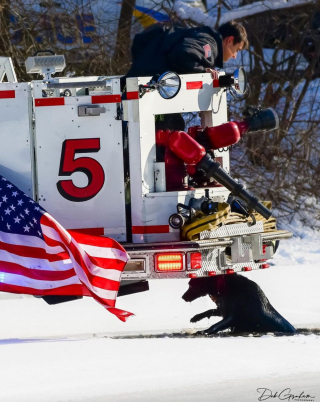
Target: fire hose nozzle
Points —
{"points": [[213, 169], [260, 120]]}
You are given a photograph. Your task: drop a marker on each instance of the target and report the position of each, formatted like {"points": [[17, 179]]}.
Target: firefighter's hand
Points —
{"points": [[214, 73]]}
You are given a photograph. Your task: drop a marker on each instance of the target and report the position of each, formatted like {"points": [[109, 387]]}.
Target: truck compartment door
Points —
{"points": [[80, 161], [16, 154]]}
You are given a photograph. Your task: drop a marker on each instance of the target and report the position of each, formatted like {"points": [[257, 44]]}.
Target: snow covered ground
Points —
{"points": [[79, 352]]}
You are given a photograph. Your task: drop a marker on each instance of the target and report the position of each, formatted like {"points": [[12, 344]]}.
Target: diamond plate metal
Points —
{"points": [[214, 258], [232, 230]]}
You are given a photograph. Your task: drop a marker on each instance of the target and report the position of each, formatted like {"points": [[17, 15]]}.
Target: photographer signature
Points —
{"points": [[284, 395]]}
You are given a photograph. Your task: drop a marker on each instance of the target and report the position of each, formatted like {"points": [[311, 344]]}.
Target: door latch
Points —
{"points": [[90, 110]]}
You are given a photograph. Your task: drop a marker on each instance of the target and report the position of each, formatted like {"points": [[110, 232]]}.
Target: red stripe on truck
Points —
{"points": [[194, 85], [133, 95], [7, 94], [150, 229], [106, 98], [49, 102]]}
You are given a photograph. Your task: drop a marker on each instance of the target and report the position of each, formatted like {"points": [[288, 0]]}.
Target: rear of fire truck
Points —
{"points": [[95, 158], [189, 218]]}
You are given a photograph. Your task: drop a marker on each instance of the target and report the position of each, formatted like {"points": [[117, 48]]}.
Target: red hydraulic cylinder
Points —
{"points": [[224, 135], [186, 148]]}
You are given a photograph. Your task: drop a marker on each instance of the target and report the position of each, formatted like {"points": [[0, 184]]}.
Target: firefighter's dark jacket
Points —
{"points": [[182, 50]]}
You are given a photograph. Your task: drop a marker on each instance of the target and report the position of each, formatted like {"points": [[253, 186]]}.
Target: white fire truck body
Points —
{"points": [[62, 143]]}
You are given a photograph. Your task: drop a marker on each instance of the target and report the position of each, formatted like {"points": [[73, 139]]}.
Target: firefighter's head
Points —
{"points": [[234, 39]]}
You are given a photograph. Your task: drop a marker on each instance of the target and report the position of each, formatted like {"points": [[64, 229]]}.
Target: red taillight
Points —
{"points": [[247, 269], [192, 275], [169, 262], [195, 261], [264, 266], [212, 273], [230, 271]]}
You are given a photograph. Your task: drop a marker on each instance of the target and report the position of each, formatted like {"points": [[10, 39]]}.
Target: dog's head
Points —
{"points": [[198, 287]]}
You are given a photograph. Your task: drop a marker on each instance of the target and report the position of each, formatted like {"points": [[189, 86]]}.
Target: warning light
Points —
{"points": [[195, 261], [212, 273], [264, 266], [230, 271], [247, 268], [192, 276], [169, 262]]}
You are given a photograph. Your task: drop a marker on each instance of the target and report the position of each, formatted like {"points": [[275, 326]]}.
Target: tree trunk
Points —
{"points": [[121, 57]]}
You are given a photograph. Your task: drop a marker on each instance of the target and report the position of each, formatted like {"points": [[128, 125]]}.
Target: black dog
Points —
{"points": [[241, 303]]}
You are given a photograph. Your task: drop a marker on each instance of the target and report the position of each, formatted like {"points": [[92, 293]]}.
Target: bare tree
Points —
{"points": [[284, 56], [121, 56], [283, 63]]}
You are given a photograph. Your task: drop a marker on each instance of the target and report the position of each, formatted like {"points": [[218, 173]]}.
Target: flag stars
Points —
{"points": [[27, 211], [9, 185], [39, 233], [4, 198], [8, 211], [20, 202], [4, 179], [26, 228], [31, 224], [34, 220], [17, 219], [32, 202], [37, 208], [13, 207], [15, 193], [8, 226], [22, 216]]}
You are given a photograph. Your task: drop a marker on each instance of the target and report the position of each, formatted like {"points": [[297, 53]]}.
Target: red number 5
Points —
{"points": [[89, 166]]}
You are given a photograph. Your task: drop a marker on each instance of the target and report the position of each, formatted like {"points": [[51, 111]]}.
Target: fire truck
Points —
{"points": [[94, 157]]}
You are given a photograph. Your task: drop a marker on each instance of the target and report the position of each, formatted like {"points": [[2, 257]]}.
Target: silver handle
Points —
{"points": [[79, 84], [90, 110]]}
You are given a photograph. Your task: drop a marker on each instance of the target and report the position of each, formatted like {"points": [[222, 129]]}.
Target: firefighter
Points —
{"points": [[185, 50], [162, 48]]}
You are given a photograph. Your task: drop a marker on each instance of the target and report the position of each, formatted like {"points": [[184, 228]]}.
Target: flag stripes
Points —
{"points": [[99, 285], [39, 257]]}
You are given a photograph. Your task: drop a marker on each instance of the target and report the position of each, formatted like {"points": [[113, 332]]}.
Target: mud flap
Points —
{"points": [[128, 288]]}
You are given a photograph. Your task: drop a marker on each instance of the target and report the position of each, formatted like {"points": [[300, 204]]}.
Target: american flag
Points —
{"points": [[39, 257]]}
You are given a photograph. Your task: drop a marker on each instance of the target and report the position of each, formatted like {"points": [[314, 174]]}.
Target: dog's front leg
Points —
{"points": [[219, 326], [206, 314]]}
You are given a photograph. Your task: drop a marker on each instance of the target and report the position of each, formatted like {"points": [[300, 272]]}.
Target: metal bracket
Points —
{"points": [[222, 260], [257, 247], [237, 252], [90, 110]]}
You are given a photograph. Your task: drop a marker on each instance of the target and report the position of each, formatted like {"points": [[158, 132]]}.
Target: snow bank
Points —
{"points": [[184, 11], [260, 7]]}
